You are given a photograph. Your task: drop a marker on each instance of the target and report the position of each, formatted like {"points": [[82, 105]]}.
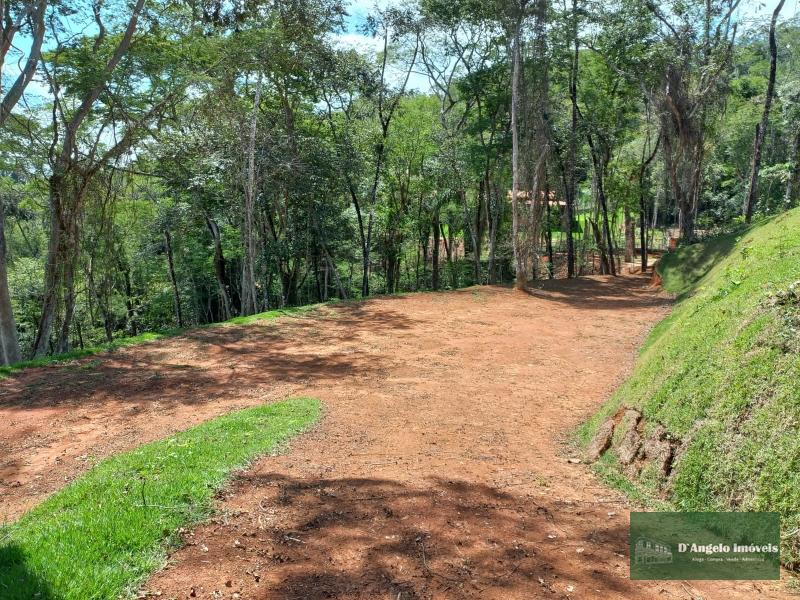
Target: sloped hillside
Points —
{"points": [[710, 418]]}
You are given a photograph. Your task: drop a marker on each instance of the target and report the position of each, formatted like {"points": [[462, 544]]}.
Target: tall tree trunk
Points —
{"points": [[630, 236], [366, 257], [607, 229], [101, 298], [219, 269], [249, 290], [70, 263], [332, 267], [448, 249], [289, 284], [793, 184], [569, 216], [435, 254], [520, 269], [9, 343], [473, 226], [130, 309], [171, 267], [495, 207], [480, 228], [66, 199], [761, 128], [642, 204], [600, 163], [549, 234], [391, 268]]}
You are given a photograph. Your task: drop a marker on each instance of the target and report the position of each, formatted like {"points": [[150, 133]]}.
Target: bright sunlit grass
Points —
{"points": [[103, 534], [722, 374]]}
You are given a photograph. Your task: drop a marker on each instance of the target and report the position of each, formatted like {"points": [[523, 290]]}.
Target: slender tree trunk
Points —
{"points": [[480, 228], [448, 249], [435, 254], [290, 284], [249, 290], [171, 267], [325, 283], [100, 297], [600, 163], [642, 205], [573, 145], [219, 269], [130, 309], [630, 236], [793, 184], [549, 232], [521, 272], [494, 220], [643, 228], [366, 257], [761, 128], [332, 267], [474, 227], [9, 343]]}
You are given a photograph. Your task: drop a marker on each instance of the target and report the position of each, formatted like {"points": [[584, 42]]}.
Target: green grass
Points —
{"points": [[56, 359], [103, 534], [681, 270], [722, 374], [8, 370]]}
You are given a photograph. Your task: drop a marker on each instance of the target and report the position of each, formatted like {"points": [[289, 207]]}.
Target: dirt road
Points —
{"points": [[438, 471]]}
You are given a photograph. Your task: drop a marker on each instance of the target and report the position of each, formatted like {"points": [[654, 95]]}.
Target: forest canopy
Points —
{"points": [[169, 163]]}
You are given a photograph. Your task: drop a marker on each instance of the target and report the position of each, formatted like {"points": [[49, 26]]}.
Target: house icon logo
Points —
{"points": [[651, 552]]}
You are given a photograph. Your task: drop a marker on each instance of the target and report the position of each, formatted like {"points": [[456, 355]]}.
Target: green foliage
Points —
{"points": [[721, 374], [103, 534]]}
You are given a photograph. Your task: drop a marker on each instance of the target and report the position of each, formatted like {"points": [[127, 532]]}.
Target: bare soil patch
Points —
{"points": [[440, 469]]}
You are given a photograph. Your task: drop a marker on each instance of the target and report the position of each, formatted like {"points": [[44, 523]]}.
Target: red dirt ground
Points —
{"points": [[438, 471]]}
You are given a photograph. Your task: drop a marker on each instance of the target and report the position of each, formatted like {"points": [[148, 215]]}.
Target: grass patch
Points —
{"points": [[56, 359], [680, 271], [722, 374], [101, 536], [8, 370], [271, 314]]}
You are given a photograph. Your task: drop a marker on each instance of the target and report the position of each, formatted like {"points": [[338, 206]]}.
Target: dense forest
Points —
{"points": [[169, 163]]}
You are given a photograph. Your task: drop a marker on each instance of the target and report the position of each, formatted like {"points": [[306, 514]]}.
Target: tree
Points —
{"points": [[520, 258], [761, 128], [86, 70], [28, 19], [9, 345]]}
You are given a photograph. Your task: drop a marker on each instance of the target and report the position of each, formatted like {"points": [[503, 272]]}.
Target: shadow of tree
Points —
{"points": [[17, 580], [629, 292], [697, 260], [381, 538], [185, 369]]}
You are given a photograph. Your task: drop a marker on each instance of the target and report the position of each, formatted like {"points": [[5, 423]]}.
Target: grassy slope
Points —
{"points": [[722, 373], [143, 338], [103, 534]]}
